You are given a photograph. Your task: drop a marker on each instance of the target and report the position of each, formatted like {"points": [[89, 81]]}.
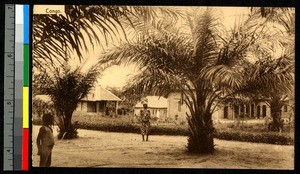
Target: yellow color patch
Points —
{"points": [[25, 107]]}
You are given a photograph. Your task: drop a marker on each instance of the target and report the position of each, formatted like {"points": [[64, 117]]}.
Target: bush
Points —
{"points": [[109, 127], [130, 128], [230, 125], [258, 137]]}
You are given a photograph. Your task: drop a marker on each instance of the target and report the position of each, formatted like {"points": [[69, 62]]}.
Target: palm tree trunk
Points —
{"points": [[201, 130], [67, 131], [276, 105]]}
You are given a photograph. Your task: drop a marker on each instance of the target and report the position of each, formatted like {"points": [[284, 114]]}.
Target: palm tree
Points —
{"points": [[204, 63], [60, 39], [66, 87], [273, 80], [272, 77]]}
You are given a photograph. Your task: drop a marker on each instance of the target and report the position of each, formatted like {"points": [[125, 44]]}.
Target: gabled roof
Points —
{"points": [[101, 94], [154, 102]]}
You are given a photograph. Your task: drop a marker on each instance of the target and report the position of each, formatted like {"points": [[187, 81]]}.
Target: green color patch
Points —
{"points": [[26, 65]]}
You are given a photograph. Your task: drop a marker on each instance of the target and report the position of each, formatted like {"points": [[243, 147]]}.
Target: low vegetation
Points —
{"points": [[257, 133]]}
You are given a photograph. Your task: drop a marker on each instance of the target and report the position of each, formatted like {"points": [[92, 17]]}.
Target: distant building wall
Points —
{"points": [[153, 112], [95, 106], [176, 107], [251, 110]]}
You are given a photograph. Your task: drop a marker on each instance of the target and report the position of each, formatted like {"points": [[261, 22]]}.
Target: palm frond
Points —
{"points": [[204, 31], [154, 82], [55, 36], [269, 78]]}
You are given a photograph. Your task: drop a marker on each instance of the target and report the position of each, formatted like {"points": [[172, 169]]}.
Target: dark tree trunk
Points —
{"points": [[276, 105], [68, 131], [201, 133]]}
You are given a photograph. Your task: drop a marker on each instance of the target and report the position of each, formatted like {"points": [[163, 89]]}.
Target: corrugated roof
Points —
{"points": [[154, 102], [101, 94]]}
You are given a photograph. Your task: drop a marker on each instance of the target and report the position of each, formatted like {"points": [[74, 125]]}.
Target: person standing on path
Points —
{"points": [[45, 141], [145, 118]]}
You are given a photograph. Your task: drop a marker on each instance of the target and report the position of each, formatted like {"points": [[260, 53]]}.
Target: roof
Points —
{"points": [[101, 94], [154, 102], [44, 98]]}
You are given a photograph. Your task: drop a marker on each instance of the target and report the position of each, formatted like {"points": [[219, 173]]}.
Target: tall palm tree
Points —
{"points": [[204, 63]]}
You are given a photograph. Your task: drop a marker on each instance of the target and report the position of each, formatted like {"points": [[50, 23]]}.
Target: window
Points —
{"points": [[236, 110], [264, 111], [258, 111], [226, 112], [91, 106], [179, 106], [248, 110], [181, 98], [242, 109], [102, 106], [252, 110]]}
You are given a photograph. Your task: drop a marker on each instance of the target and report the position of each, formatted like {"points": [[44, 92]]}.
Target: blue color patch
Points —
{"points": [[26, 24]]}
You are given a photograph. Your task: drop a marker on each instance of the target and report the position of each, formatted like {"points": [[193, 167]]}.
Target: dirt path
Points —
{"points": [[105, 149]]}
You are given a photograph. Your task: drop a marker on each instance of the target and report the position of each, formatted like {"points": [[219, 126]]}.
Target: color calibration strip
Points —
{"points": [[25, 140], [16, 87]]}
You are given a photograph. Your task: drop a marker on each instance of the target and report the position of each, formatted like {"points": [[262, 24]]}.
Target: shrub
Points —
{"points": [[230, 125], [159, 130], [109, 127], [130, 128], [258, 137]]}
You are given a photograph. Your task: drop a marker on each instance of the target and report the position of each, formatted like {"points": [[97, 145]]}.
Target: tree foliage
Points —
{"points": [[55, 36], [66, 87], [271, 77]]}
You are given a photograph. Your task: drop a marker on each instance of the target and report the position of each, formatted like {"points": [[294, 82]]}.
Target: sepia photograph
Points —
{"points": [[202, 87]]}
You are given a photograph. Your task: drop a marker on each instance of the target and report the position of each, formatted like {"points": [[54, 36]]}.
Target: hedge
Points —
{"points": [[132, 128], [237, 135], [257, 137]]}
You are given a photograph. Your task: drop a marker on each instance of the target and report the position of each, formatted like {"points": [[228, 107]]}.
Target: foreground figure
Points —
{"points": [[145, 118], [45, 141]]}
